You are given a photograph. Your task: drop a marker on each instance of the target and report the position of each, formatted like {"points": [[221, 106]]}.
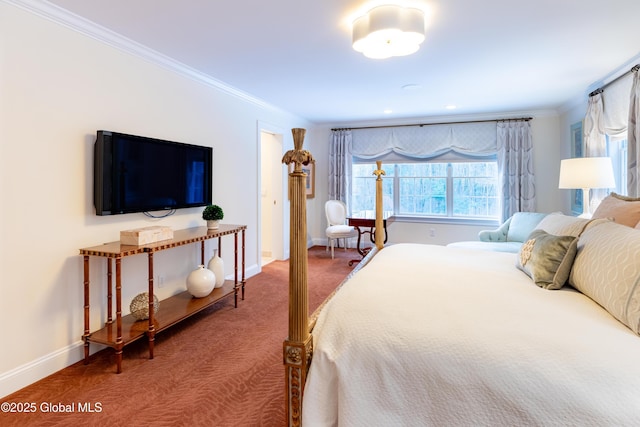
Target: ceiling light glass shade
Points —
{"points": [[387, 31]]}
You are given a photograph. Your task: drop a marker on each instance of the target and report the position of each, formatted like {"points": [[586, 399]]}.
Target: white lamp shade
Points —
{"points": [[387, 31], [586, 172]]}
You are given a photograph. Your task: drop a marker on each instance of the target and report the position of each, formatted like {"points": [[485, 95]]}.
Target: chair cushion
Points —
{"points": [[339, 231]]}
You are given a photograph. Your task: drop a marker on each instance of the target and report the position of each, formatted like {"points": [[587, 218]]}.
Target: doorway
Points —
{"points": [[271, 196]]}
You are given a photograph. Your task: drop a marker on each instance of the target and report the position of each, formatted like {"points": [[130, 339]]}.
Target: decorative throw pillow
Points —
{"points": [[547, 258], [621, 209], [560, 224], [607, 270]]}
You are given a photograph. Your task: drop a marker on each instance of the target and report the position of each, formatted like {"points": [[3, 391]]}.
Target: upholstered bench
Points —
{"points": [[509, 236]]}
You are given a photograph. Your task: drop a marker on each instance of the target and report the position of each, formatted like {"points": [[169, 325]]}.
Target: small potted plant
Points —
{"points": [[212, 214]]}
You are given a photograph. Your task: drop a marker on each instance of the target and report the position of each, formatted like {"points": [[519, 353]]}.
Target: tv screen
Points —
{"points": [[140, 174]]}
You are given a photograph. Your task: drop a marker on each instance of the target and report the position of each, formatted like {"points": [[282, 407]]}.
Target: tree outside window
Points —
{"points": [[429, 189]]}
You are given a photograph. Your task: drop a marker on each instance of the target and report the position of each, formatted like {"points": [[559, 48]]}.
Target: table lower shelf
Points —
{"points": [[172, 310]]}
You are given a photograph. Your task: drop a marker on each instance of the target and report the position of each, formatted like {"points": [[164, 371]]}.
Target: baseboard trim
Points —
{"points": [[325, 242], [29, 373]]}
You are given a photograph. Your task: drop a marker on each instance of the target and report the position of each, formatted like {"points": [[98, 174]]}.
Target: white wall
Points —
{"points": [[547, 152], [57, 87], [570, 116]]}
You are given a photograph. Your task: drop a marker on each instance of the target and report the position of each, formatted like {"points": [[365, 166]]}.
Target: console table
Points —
{"points": [[127, 329]]}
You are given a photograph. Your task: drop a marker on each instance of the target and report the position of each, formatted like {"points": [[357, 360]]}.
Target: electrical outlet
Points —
{"points": [[432, 232], [160, 281]]}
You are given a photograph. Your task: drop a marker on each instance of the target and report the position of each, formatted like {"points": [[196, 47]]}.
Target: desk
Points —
{"points": [[361, 225]]}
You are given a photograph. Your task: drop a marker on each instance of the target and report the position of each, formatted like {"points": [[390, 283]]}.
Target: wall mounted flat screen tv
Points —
{"points": [[140, 174]]}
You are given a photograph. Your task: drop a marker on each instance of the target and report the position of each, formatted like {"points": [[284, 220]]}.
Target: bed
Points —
{"points": [[423, 335]]}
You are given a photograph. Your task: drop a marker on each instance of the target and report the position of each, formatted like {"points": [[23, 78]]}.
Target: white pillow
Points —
{"points": [[562, 225]]}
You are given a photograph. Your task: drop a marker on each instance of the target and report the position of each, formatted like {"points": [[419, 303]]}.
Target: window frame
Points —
{"points": [[449, 217], [617, 151]]}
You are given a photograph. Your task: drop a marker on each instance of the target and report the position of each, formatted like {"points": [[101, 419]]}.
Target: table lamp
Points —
{"points": [[586, 173]]}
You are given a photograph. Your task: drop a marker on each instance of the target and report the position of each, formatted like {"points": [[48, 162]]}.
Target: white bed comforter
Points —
{"points": [[440, 336]]}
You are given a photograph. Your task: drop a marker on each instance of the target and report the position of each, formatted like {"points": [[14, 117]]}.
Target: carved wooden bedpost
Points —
{"points": [[298, 346], [379, 206]]}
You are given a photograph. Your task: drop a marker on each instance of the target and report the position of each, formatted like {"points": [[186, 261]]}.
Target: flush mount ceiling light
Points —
{"points": [[389, 30]]}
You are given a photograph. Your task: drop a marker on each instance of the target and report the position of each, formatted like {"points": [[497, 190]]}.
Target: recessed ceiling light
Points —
{"points": [[450, 107], [388, 111]]}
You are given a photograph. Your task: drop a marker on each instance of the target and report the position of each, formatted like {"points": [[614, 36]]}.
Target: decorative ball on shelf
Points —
{"points": [[212, 214], [200, 282], [139, 306]]}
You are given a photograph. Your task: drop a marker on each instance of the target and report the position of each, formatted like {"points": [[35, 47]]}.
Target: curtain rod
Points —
{"points": [[432, 124], [601, 88]]}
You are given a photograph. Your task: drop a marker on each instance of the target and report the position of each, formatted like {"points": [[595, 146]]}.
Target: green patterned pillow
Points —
{"points": [[547, 258]]}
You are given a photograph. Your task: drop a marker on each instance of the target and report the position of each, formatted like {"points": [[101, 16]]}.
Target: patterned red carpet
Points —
{"points": [[222, 367]]}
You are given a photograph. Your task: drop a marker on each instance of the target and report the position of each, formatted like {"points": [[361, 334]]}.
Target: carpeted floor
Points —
{"points": [[222, 367]]}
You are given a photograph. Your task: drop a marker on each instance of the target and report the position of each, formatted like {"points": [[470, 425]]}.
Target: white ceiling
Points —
{"points": [[491, 56]]}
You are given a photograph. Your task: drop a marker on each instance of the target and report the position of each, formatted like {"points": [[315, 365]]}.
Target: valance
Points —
{"points": [[426, 141]]}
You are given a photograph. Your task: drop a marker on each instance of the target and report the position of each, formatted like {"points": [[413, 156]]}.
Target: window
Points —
{"points": [[429, 189], [422, 189], [363, 189], [617, 150]]}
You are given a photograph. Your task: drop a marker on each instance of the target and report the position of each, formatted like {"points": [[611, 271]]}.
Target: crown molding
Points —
{"points": [[97, 32]]}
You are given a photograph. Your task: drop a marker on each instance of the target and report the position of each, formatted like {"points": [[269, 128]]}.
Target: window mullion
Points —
{"points": [[449, 190], [396, 190]]}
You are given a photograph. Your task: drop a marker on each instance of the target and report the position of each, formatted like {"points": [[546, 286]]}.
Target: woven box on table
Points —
{"points": [[145, 235]]}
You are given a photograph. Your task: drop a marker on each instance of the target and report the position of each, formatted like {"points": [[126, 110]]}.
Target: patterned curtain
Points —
{"points": [[595, 140], [515, 167], [633, 137], [340, 166]]}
